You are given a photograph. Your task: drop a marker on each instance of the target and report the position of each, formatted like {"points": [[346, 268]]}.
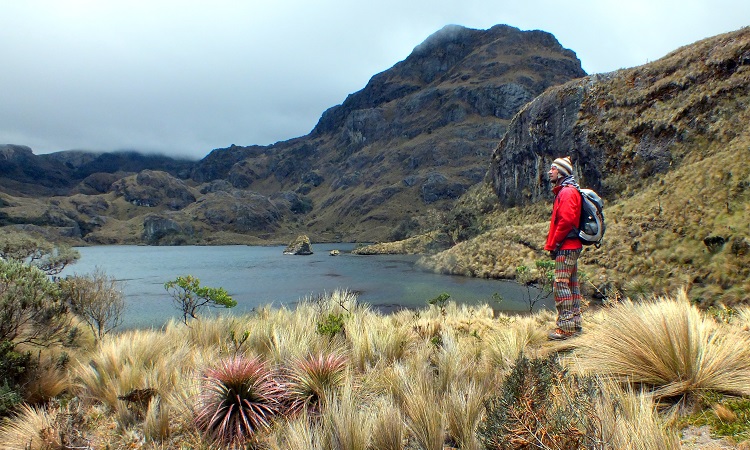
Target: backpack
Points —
{"points": [[591, 228]]}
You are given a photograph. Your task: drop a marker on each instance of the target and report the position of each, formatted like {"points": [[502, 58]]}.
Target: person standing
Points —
{"points": [[565, 248]]}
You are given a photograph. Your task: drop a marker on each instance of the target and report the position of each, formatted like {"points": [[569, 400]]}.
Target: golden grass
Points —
{"points": [[630, 421], [32, 429], [423, 409], [389, 427], [464, 405], [297, 434], [347, 421], [425, 385], [670, 345]]}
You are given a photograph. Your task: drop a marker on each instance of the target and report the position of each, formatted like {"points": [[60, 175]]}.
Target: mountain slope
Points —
{"points": [[416, 137], [411, 141], [666, 144]]}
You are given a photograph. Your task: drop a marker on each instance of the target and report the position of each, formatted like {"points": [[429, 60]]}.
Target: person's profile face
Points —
{"points": [[553, 174]]}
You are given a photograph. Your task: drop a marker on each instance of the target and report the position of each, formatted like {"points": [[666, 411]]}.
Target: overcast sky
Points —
{"points": [[185, 77]]}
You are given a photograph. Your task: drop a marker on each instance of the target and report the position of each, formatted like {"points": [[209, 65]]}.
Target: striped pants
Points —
{"points": [[567, 291]]}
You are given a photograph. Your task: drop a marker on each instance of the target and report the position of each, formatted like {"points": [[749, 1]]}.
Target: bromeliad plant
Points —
{"points": [[239, 399]]}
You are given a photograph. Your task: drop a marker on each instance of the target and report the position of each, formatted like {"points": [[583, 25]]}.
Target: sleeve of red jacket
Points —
{"points": [[568, 215]]}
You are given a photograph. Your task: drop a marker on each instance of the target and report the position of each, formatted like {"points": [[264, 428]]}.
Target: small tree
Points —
{"points": [[36, 251], [189, 296], [95, 298], [542, 276]]}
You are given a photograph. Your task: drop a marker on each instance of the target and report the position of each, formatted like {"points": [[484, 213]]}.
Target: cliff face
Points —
{"points": [[623, 128]]}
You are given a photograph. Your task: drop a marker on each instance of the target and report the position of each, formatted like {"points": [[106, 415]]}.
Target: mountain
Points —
{"points": [[666, 145], [414, 139], [24, 173]]}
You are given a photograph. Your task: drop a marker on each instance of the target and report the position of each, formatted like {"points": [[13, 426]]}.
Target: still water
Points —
{"points": [[256, 276]]}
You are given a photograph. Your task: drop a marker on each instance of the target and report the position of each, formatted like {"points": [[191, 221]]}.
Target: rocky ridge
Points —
{"points": [[663, 144], [411, 141]]}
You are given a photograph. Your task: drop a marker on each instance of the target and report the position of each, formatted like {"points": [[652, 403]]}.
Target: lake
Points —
{"points": [[256, 276]]}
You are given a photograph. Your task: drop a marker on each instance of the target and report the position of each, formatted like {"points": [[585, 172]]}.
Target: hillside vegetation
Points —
{"points": [[665, 144], [332, 374]]}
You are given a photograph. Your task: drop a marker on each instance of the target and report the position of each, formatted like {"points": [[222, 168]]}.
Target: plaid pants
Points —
{"points": [[567, 291]]}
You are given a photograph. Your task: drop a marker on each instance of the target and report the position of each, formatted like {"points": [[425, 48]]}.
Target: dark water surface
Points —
{"points": [[256, 276]]}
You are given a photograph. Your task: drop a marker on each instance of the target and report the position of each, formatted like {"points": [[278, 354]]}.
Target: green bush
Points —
{"points": [[31, 310], [331, 325], [14, 369], [541, 406], [36, 251]]}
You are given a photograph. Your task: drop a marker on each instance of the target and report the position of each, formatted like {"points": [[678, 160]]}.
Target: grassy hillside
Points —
{"points": [[670, 141]]}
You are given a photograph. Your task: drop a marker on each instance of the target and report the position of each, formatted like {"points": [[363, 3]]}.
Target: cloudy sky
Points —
{"points": [[185, 77]]}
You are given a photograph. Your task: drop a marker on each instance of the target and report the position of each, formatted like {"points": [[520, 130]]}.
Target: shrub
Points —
{"points": [[540, 407], [36, 251], [95, 298], [239, 399], [441, 301], [30, 306], [542, 277], [189, 296], [331, 325]]}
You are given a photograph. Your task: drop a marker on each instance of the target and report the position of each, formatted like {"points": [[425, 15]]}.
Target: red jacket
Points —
{"points": [[566, 214]]}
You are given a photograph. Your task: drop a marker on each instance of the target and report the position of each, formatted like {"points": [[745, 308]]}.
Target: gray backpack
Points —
{"points": [[591, 228]]}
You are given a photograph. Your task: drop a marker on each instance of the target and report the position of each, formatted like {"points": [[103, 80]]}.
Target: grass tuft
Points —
{"points": [[310, 379], [670, 346]]}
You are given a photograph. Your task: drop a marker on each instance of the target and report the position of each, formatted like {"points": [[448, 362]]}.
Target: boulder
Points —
{"points": [[300, 246]]}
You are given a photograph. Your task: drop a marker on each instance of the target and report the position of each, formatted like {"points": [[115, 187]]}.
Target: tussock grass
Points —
{"points": [[504, 347], [423, 408], [630, 420], [389, 427], [300, 433], [670, 345], [134, 360], [32, 429], [425, 385], [464, 405], [348, 421]]}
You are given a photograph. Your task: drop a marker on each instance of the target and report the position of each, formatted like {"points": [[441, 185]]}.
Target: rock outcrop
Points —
{"points": [[153, 188], [300, 246], [158, 227]]}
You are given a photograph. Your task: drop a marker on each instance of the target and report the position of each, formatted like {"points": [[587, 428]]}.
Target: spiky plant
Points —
{"points": [[311, 378], [239, 398]]}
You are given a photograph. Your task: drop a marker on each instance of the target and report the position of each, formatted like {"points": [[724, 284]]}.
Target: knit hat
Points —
{"points": [[563, 165]]}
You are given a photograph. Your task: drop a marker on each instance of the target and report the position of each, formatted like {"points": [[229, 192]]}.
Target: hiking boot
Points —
{"points": [[560, 335]]}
